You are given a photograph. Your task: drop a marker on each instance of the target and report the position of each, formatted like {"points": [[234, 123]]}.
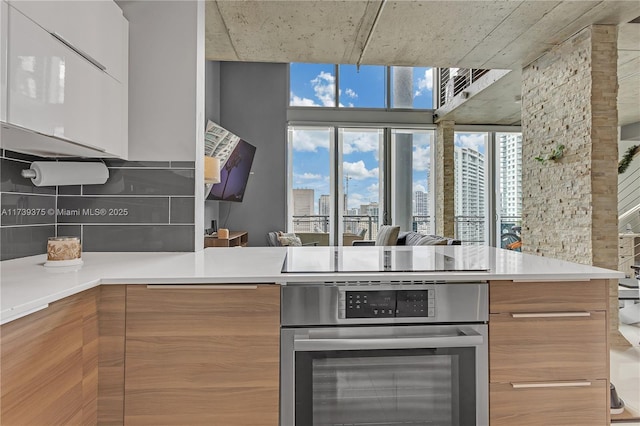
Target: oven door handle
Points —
{"points": [[469, 339]]}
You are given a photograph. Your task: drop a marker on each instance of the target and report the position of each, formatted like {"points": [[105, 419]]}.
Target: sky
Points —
{"points": [[314, 85]]}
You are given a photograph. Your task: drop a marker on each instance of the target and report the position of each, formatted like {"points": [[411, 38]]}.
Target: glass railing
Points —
{"points": [[354, 226], [470, 229]]}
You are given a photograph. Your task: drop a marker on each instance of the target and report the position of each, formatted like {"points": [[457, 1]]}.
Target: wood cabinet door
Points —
{"points": [[49, 364], [536, 404], [537, 347], [202, 355]]}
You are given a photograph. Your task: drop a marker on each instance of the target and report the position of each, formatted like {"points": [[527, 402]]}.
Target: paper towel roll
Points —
{"points": [[52, 173]]}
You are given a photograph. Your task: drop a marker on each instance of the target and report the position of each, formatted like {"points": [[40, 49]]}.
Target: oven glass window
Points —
{"points": [[434, 387]]}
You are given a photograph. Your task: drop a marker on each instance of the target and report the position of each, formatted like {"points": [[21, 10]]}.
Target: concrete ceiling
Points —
{"points": [[465, 33], [496, 103]]}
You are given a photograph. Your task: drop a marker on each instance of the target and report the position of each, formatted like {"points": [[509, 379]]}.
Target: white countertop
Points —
{"points": [[27, 286]]}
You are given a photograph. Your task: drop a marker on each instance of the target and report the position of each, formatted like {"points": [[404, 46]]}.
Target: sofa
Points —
{"points": [[417, 239], [413, 238]]}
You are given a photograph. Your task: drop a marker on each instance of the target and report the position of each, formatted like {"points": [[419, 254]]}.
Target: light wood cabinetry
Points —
{"points": [[111, 327], [50, 364], [571, 404], [548, 353], [236, 239], [202, 355]]}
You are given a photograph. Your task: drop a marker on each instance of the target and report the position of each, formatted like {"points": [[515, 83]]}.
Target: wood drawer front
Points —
{"points": [[557, 406], [509, 296], [563, 348]]}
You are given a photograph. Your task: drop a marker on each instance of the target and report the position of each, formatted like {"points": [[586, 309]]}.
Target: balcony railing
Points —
{"points": [[353, 225], [454, 81], [470, 229]]}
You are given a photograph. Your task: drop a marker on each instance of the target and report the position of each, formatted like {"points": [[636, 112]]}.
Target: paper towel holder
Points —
{"points": [[58, 173]]}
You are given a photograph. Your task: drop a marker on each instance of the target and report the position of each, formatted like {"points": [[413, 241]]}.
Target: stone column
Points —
{"points": [[445, 179], [570, 205]]}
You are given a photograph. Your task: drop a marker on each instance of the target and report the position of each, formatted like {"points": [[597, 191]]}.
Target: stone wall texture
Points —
{"points": [[569, 98], [445, 179]]}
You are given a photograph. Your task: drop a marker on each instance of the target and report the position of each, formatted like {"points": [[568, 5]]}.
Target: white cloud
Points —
{"points": [[355, 200], [310, 140], [425, 83], [358, 170], [309, 176], [373, 188], [470, 140], [419, 187], [351, 93], [421, 157], [360, 142], [324, 87], [298, 101]]}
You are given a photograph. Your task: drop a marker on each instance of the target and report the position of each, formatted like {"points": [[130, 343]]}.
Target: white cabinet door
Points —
{"points": [[55, 91], [95, 27]]}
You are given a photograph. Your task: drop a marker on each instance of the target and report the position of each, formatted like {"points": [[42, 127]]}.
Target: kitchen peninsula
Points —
{"points": [[201, 327]]}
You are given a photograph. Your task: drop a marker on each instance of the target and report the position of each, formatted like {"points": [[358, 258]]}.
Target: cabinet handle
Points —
{"points": [[550, 385], [85, 55], [552, 315], [200, 287]]}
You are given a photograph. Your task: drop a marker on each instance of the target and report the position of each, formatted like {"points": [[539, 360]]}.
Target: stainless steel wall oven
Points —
{"points": [[412, 353]]}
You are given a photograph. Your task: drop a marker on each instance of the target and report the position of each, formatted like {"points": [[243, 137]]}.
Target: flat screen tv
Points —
{"points": [[234, 173]]}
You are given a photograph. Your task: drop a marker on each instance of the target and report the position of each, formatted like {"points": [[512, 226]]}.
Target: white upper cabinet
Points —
{"points": [[94, 28], [66, 89]]}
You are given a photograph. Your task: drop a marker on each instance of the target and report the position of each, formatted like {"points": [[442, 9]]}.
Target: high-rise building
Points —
{"points": [[420, 203], [324, 205], [303, 205], [510, 176], [470, 194]]}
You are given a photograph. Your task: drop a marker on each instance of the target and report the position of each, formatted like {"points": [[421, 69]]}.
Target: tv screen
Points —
{"points": [[234, 173]]}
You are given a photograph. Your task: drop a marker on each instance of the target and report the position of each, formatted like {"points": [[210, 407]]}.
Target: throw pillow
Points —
{"points": [[289, 239], [432, 240]]}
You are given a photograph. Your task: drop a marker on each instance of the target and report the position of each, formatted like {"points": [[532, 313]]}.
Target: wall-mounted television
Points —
{"points": [[235, 168]]}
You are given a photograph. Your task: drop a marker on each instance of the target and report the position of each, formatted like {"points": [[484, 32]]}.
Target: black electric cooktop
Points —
{"points": [[385, 259]]}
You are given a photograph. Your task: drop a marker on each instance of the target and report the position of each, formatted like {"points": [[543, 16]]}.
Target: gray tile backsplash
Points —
{"points": [[25, 209], [123, 181], [182, 209], [144, 206], [89, 209], [21, 241], [12, 181], [138, 237]]}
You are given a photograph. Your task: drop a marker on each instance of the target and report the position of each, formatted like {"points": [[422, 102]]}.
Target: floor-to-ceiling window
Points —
{"points": [[310, 154], [360, 195], [509, 177], [471, 196], [411, 203], [362, 158], [367, 173]]}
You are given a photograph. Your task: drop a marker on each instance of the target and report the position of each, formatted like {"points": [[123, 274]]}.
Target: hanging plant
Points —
{"points": [[627, 158], [555, 155]]}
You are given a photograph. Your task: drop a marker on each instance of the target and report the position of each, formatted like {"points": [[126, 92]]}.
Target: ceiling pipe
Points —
{"points": [[373, 28]]}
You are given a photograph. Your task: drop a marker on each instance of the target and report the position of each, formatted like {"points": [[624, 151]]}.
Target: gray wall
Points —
{"points": [[253, 105], [163, 62], [211, 112], [143, 206]]}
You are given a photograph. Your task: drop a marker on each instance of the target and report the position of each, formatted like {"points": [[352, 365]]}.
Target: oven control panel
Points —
{"points": [[389, 303]]}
